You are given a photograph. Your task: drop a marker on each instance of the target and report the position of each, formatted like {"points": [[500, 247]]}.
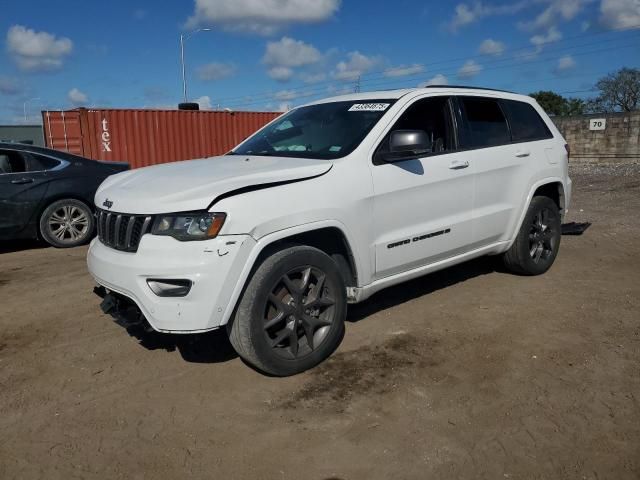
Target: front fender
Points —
{"points": [[270, 239]]}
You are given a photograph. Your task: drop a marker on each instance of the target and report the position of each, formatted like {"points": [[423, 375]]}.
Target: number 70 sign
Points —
{"points": [[597, 123]]}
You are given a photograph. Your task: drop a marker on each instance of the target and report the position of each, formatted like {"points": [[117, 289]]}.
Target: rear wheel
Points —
{"points": [[538, 241], [291, 315], [67, 223]]}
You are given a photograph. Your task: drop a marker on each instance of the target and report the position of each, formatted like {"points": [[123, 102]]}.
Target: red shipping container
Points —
{"points": [[147, 137]]}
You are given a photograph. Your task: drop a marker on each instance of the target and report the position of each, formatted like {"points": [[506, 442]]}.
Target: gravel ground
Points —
{"points": [[466, 373]]}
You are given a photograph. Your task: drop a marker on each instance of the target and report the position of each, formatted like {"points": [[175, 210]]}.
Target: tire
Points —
{"points": [[67, 223], [189, 106], [284, 323], [538, 241]]}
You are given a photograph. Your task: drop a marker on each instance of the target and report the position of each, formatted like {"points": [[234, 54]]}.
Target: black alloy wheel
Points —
{"points": [[292, 311], [538, 241], [542, 238], [299, 312]]}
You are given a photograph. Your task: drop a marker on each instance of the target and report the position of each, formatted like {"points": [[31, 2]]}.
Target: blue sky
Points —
{"points": [[271, 54]]}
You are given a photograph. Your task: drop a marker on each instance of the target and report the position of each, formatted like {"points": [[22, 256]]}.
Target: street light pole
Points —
{"points": [[24, 106], [184, 37], [184, 78]]}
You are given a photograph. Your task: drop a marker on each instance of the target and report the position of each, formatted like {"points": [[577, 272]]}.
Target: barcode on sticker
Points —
{"points": [[369, 107]]}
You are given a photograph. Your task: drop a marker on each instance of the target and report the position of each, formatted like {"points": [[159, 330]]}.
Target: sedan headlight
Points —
{"points": [[189, 226]]}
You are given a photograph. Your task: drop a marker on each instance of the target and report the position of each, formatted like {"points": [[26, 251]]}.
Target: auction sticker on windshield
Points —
{"points": [[369, 107]]}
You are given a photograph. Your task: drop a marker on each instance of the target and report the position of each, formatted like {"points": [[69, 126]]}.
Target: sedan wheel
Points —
{"points": [[67, 223]]}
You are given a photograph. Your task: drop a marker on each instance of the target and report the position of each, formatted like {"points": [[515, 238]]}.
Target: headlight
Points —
{"points": [[189, 226]]}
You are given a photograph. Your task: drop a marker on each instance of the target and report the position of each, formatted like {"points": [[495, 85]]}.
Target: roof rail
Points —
{"points": [[467, 86]]}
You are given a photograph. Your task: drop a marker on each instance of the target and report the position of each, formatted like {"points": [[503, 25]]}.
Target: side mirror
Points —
{"points": [[406, 145]]}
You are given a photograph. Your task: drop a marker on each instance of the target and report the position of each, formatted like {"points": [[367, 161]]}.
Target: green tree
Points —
{"points": [[618, 92], [555, 104], [551, 102], [574, 106]]}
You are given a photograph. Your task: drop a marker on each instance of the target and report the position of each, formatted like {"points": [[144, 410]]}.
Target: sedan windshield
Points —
{"points": [[322, 131]]}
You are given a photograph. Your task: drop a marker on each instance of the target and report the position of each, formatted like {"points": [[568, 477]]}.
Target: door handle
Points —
{"points": [[22, 181], [522, 153], [458, 164]]}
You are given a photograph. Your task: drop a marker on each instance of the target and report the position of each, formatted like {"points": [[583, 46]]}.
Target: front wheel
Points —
{"points": [[291, 315], [538, 241], [67, 223]]}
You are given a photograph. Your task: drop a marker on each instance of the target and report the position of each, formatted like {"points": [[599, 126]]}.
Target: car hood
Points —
{"points": [[195, 184]]}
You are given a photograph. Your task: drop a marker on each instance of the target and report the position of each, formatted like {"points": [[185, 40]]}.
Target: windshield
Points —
{"points": [[323, 131]]}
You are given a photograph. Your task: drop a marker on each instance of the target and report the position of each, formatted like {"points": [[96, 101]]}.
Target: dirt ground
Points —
{"points": [[467, 373]]}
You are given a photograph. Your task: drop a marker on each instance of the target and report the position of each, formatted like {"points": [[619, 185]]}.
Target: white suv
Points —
{"points": [[325, 206]]}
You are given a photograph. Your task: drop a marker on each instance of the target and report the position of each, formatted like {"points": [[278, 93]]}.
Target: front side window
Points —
{"points": [[12, 162], [525, 122], [486, 125], [430, 115], [323, 131]]}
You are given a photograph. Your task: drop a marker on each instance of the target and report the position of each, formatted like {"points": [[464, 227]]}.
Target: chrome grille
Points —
{"points": [[122, 231]]}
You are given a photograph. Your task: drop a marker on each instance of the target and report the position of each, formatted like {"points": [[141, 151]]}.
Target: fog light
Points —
{"points": [[169, 287]]}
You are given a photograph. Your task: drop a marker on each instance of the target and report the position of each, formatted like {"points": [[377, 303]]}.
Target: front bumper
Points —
{"points": [[213, 266]]}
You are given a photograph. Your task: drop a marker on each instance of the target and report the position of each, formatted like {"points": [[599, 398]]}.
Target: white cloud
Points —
{"points": [[404, 70], [37, 51], [556, 11], [216, 71], [284, 107], [77, 98], [620, 14], [438, 79], [313, 77], [565, 64], [10, 86], [260, 16], [552, 35], [466, 14], [281, 74], [204, 102], [469, 70], [286, 95], [357, 65], [288, 52], [284, 55], [491, 47]]}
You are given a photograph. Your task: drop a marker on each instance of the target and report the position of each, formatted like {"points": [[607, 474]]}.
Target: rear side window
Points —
{"points": [[486, 124], [38, 163], [526, 124]]}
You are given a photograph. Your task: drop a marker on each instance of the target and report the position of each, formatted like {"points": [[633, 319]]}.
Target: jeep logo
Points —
{"points": [[107, 203]]}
